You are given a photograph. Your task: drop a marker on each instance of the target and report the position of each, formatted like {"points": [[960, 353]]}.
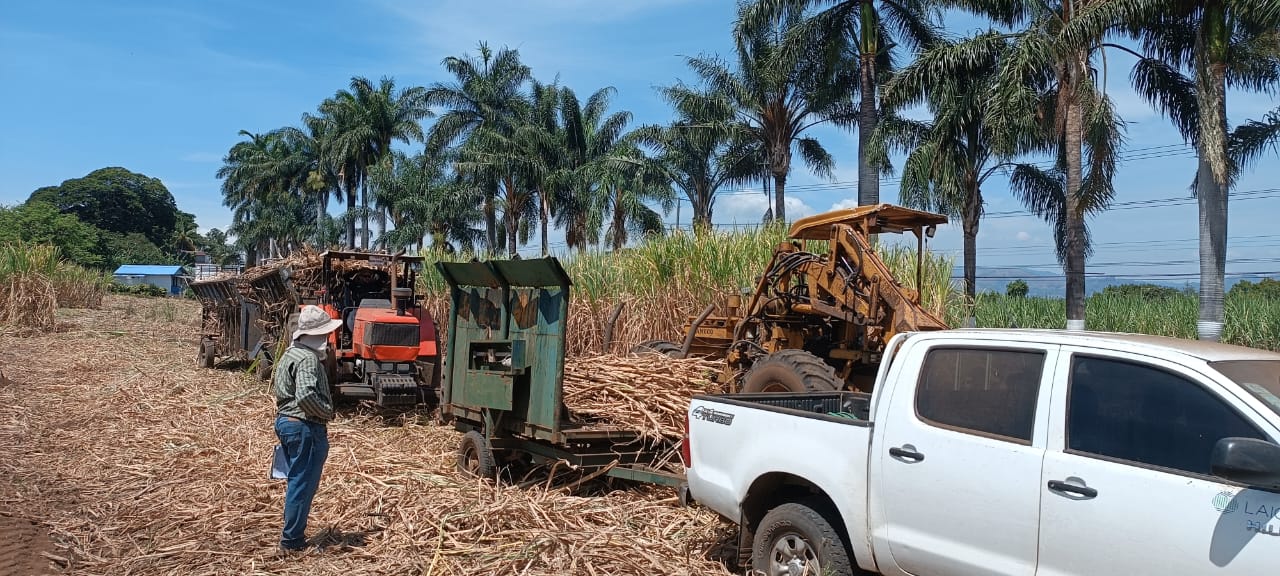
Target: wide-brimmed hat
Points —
{"points": [[314, 321]]}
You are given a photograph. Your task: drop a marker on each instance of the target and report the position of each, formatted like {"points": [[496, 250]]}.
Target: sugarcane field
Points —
{"points": [[741, 288]]}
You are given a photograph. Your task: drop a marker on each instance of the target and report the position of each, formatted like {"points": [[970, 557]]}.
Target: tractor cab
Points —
{"points": [[387, 349]]}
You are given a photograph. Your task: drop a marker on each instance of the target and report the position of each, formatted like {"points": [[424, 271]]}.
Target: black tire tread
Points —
{"points": [[665, 347], [488, 467], [815, 375], [833, 556]]}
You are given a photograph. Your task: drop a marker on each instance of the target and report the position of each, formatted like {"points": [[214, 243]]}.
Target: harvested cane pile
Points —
{"points": [[648, 393], [139, 463]]}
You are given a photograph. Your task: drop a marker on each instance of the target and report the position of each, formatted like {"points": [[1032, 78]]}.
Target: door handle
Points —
{"points": [[1082, 491], [906, 453]]}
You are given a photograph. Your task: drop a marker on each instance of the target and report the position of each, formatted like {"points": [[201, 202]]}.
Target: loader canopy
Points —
{"points": [[875, 219]]}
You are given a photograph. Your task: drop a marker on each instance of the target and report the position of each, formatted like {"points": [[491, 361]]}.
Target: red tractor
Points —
{"points": [[387, 349]]}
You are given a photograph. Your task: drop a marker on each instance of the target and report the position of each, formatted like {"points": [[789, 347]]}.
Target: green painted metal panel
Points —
{"points": [[469, 274], [535, 273], [486, 389]]}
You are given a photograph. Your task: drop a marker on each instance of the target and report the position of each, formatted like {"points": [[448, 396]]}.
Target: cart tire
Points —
{"points": [[657, 347], [796, 538], [207, 353], [263, 371], [791, 371], [475, 456]]}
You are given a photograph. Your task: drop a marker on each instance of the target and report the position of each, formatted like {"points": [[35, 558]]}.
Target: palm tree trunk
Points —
{"points": [[868, 118], [511, 216], [972, 217], [1074, 211], [779, 186], [544, 216], [619, 221], [1212, 183], [364, 212], [351, 221], [382, 225], [491, 221], [322, 208]]}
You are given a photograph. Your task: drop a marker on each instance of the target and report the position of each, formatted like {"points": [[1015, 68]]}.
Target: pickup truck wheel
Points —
{"points": [[475, 456], [791, 371], [657, 347], [794, 540]]}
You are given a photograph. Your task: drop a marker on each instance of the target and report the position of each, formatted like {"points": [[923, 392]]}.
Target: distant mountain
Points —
{"points": [[1053, 284]]}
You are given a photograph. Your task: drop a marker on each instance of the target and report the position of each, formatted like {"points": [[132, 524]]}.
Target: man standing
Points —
{"points": [[303, 408]]}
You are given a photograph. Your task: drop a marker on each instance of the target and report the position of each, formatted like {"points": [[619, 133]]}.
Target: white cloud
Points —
{"points": [[851, 202], [750, 208], [1022, 236]]}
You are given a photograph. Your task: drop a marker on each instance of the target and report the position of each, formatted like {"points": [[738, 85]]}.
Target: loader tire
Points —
{"points": [[657, 347], [207, 354], [791, 371], [475, 456], [795, 538]]}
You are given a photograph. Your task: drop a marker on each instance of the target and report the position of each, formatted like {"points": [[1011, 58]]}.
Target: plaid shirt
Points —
{"points": [[301, 386]]}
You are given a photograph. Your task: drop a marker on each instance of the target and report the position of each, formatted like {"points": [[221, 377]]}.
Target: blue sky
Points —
{"points": [[163, 89]]}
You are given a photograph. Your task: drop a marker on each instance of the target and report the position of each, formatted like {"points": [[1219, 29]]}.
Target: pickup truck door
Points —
{"points": [[957, 469], [1126, 486]]}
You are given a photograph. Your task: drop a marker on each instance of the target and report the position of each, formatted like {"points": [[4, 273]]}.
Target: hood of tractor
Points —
{"points": [[381, 335]]}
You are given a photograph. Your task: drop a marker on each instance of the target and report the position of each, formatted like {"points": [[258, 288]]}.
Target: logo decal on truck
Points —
{"points": [[714, 416]]}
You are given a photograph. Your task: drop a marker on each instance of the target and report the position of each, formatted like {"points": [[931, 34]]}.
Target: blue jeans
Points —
{"points": [[306, 445]]}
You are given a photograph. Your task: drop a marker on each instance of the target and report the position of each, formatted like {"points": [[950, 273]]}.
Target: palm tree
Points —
{"points": [[627, 183], [777, 93], [368, 120], [593, 139], [423, 200], [869, 29], [484, 94], [1221, 44], [701, 154], [1045, 83], [951, 157]]}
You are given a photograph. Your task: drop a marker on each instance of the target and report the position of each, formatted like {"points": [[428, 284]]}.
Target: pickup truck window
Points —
{"points": [[986, 391], [1146, 415], [1260, 377]]}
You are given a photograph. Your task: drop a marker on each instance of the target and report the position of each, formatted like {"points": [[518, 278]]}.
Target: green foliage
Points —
{"points": [[134, 248], [137, 289], [1148, 291], [1016, 289], [1250, 316], [116, 200], [42, 223], [1265, 288], [74, 285]]}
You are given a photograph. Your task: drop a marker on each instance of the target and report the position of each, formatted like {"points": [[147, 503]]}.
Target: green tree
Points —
{"points": [[485, 94], [1017, 289], [951, 157], [425, 201], [871, 30], [116, 200], [1046, 83], [368, 119], [778, 93], [701, 152], [134, 248], [38, 222], [594, 140], [1193, 51]]}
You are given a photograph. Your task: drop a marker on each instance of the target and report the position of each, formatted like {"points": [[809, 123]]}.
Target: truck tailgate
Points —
{"points": [[735, 440]]}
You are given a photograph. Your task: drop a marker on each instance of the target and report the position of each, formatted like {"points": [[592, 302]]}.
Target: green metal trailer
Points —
{"points": [[503, 380]]}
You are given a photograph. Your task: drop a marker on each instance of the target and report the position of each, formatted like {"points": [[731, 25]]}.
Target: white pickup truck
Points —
{"points": [[985, 452]]}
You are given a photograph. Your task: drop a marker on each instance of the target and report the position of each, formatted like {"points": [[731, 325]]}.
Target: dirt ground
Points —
{"points": [[122, 457]]}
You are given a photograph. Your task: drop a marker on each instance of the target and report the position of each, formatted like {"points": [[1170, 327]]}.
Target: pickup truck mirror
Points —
{"points": [[1247, 460]]}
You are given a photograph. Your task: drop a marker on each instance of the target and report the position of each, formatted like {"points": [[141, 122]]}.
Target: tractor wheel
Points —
{"points": [[657, 347], [208, 352], [796, 539], [475, 456], [263, 372], [791, 371]]}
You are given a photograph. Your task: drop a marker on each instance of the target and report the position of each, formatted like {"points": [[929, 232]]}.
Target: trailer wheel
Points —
{"points": [[207, 353], [475, 456], [657, 347], [796, 539], [791, 371]]}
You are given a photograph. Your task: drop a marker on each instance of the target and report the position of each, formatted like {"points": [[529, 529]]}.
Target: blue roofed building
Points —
{"points": [[169, 278]]}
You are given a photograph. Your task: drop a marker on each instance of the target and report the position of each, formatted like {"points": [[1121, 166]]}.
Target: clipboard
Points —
{"points": [[279, 464]]}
